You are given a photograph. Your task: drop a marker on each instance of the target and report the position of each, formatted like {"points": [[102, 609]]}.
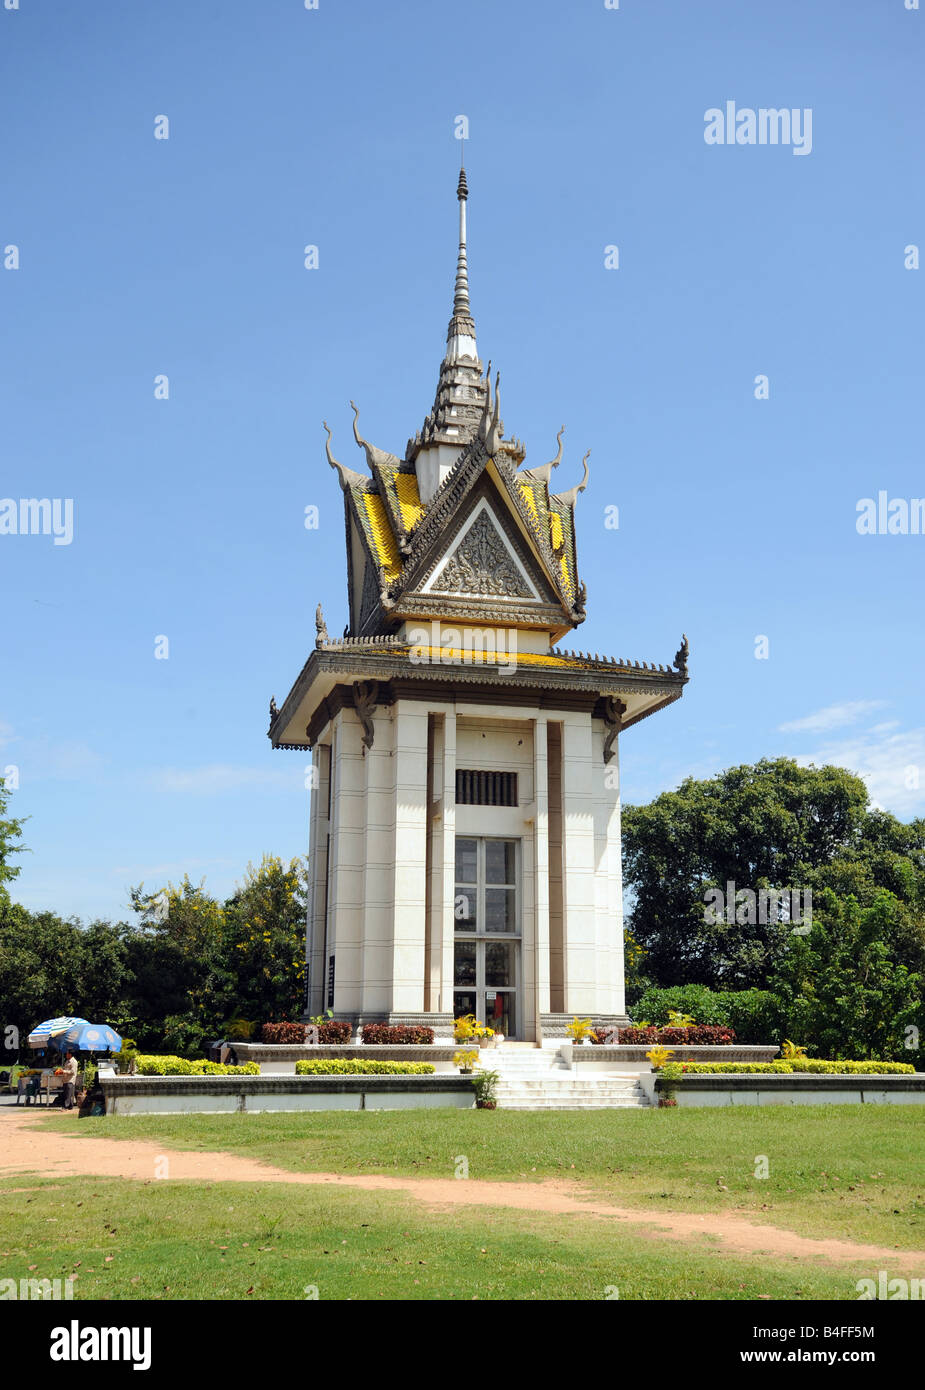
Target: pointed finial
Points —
{"points": [[571, 497], [462, 188], [321, 631]]}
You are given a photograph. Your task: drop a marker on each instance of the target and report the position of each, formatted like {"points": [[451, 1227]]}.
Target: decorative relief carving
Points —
{"points": [[481, 565], [365, 694], [614, 711]]}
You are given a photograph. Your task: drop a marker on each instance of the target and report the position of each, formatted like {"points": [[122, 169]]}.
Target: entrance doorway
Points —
{"points": [[486, 954]]}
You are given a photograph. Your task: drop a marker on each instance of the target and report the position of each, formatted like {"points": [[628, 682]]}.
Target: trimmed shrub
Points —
{"points": [[699, 1035], [282, 1034], [356, 1066], [397, 1035], [817, 1068], [754, 1014], [148, 1065], [286, 1034]]}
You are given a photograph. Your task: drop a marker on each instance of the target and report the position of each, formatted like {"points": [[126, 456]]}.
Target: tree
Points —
{"points": [[770, 826], [265, 929], [10, 832], [842, 988]]}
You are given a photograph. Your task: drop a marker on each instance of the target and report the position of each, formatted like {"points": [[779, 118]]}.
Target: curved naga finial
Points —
{"points": [[496, 429], [542, 474], [365, 694], [485, 417], [273, 710], [373, 454], [681, 655], [571, 497], [346, 475]]}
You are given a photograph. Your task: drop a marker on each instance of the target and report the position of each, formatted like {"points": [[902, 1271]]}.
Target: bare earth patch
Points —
{"points": [[30, 1148]]}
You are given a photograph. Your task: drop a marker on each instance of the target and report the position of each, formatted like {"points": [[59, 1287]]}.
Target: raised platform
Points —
{"points": [[796, 1089], [178, 1095]]}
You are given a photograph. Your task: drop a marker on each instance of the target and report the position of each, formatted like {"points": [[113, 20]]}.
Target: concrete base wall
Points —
{"points": [[182, 1095], [798, 1090]]}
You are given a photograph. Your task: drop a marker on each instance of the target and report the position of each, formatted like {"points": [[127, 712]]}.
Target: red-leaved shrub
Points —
{"points": [[282, 1033], [396, 1035], [699, 1035], [334, 1031]]}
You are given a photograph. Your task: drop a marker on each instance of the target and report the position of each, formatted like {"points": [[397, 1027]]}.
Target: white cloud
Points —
{"points": [[832, 717], [892, 765], [222, 777]]}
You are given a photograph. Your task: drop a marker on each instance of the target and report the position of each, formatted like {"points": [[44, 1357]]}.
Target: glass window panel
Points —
{"points": [[464, 907], [500, 1011], [499, 909], [499, 963], [464, 963], [499, 861], [464, 1002], [466, 860]]}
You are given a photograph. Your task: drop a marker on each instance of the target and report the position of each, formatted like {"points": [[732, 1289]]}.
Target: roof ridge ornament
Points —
{"points": [[321, 628], [374, 455], [495, 432], [571, 497], [541, 476], [681, 655], [346, 475]]}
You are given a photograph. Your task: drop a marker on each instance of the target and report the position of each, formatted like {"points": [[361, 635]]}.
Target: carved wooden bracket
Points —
{"points": [[365, 694], [614, 711]]}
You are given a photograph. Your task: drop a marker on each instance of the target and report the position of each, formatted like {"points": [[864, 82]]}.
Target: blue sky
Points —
{"points": [[335, 127]]}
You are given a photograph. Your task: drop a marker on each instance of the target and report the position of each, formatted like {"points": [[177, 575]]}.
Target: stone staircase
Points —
{"points": [[539, 1078]]}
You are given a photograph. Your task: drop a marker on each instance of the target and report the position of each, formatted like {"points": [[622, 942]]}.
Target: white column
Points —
{"points": [[379, 876], [410, 868], [579, 947], [346, 878], [445, 1004], [541, 875], [608, 877]]}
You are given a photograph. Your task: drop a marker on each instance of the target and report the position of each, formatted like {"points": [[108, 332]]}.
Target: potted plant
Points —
{"points": [[670, 1071], [579, 1030], [469, 1029], [466, 1061], [485, 1083]]}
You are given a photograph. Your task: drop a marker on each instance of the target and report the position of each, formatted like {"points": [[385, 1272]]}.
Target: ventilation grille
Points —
{"points": [[485, 788]]}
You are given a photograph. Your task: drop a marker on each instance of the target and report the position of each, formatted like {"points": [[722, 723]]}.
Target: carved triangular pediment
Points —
{"points": [[483, 563]]}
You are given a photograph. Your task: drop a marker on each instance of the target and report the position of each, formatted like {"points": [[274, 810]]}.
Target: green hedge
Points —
{"points": [[754, 1015], [335, 1066], [148, 1065], [675, 1071]]}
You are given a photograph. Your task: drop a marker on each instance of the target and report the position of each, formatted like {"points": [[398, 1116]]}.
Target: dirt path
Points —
{"points": [[32, 1148]]}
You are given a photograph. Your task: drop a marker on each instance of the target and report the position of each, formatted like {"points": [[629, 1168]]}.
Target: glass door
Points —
{"points": [[488, 933]]}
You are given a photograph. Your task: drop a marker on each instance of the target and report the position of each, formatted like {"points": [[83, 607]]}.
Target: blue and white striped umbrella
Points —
{"points": [[90, 1037], [43, 1032]]}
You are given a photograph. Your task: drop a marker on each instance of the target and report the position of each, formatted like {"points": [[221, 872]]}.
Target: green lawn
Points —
{"points": [[851, 1171], [162, 1240]]}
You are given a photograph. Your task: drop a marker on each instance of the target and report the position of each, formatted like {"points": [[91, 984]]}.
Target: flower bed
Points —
{"points": [[673, 1071], [149, 1065], [395, 1035], [697, 1035], [332, 1031], [340, 1066]]}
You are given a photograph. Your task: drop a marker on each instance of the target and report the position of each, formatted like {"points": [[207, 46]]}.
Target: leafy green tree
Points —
{"points": [[842, 988], [265, 941], [773, 825], [10, 833]]}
